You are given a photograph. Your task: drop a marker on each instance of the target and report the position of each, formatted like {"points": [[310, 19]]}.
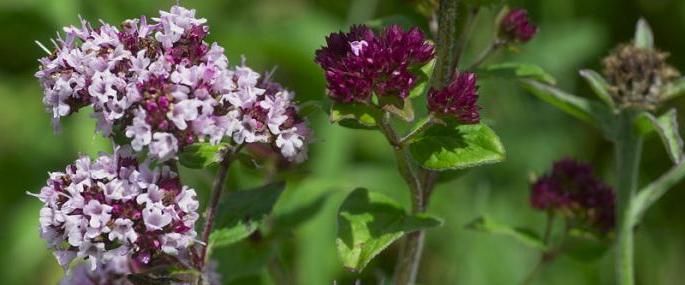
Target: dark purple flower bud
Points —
{"points": [[516, 26], [571, 188], [457, 100], [360, 63]]}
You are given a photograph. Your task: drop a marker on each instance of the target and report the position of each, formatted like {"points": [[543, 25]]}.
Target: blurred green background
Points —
{"points": [[574, 34]]}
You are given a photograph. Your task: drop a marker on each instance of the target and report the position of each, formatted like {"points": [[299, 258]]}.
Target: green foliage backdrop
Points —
{"points": [[573, 35]]}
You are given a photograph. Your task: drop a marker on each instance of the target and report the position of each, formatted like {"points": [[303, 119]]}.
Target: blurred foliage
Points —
{"points": [[285, 33]]}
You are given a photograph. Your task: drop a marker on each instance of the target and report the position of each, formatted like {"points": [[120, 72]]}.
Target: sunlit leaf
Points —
{"points": [[445, 147], [200, 155], [523, 235], [513, 70], [643, 35], [354, 115], [368, 222], [599, 85]]}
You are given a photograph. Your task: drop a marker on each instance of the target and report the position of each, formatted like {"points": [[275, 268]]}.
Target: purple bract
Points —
{"points": [[516, 26], [361, 63], [457, 100], [571, 189]]}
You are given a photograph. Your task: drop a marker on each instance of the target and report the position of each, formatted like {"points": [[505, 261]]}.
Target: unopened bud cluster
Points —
{"points": [[571, 189]]}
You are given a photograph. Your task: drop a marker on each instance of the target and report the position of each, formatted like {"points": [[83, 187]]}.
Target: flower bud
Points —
{"points": [[457, 100], [571, 189], [636, 75], [361, 63], [515, 26]]}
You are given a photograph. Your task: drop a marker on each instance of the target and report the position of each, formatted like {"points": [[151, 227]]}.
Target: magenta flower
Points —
{"points": [[360, 63], [457, 100], [517, 26], [572, 190]]}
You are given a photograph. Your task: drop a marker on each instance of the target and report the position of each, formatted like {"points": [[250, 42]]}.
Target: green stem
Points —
{"points": [[423, 125], [628, 152], [412, 247]]}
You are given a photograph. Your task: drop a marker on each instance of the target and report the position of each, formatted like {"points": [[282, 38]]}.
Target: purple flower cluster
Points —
{"points": [[115, 206], [116, 272], [571, 189], [162, 86], [457, 100], [361, 63], [516, 26]]}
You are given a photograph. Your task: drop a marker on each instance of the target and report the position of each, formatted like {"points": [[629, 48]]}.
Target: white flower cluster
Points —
{"points": [[114, 206], [162, 86]]}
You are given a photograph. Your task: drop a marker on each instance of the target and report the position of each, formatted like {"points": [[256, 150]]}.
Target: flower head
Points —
{"points": [[571, 189], [457, 100], [161, 85], [637, 75], [360, 63], [517, 26], [135, 211]]}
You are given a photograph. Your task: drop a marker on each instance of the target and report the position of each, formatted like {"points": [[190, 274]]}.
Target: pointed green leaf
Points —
{"points": [[242, 212], [200, 155], [513, 70], [309, 108], [643, 35], [445, 147], [354, 115], [666, 126], [673, 89], [523, 235], [589, 111], [229, 235], [369, 222], [599, 85]]}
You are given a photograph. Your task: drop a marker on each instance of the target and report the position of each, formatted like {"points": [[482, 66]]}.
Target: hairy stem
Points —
{"points": [[217, 188], [412, 247], [628, 152]]}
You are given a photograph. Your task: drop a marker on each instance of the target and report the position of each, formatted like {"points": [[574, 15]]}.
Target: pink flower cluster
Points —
{"points": [[114, 206], [163, 87]]}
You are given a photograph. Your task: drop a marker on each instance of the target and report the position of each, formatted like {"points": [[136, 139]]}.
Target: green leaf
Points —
{"points": [[583, 246], [512, 70], [666, 126], [398, 107], [368, 222], [445, 147], [599, 85], [424, 74], [673, 89], [589, 111], [354, 115], [523, 235], [643, 35], [201, 155], [242, 212], [229, 235]]}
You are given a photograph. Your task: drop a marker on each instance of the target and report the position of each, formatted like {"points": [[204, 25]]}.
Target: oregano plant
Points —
{"points": [[635, 83], [374, 80], [167, 99]]}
